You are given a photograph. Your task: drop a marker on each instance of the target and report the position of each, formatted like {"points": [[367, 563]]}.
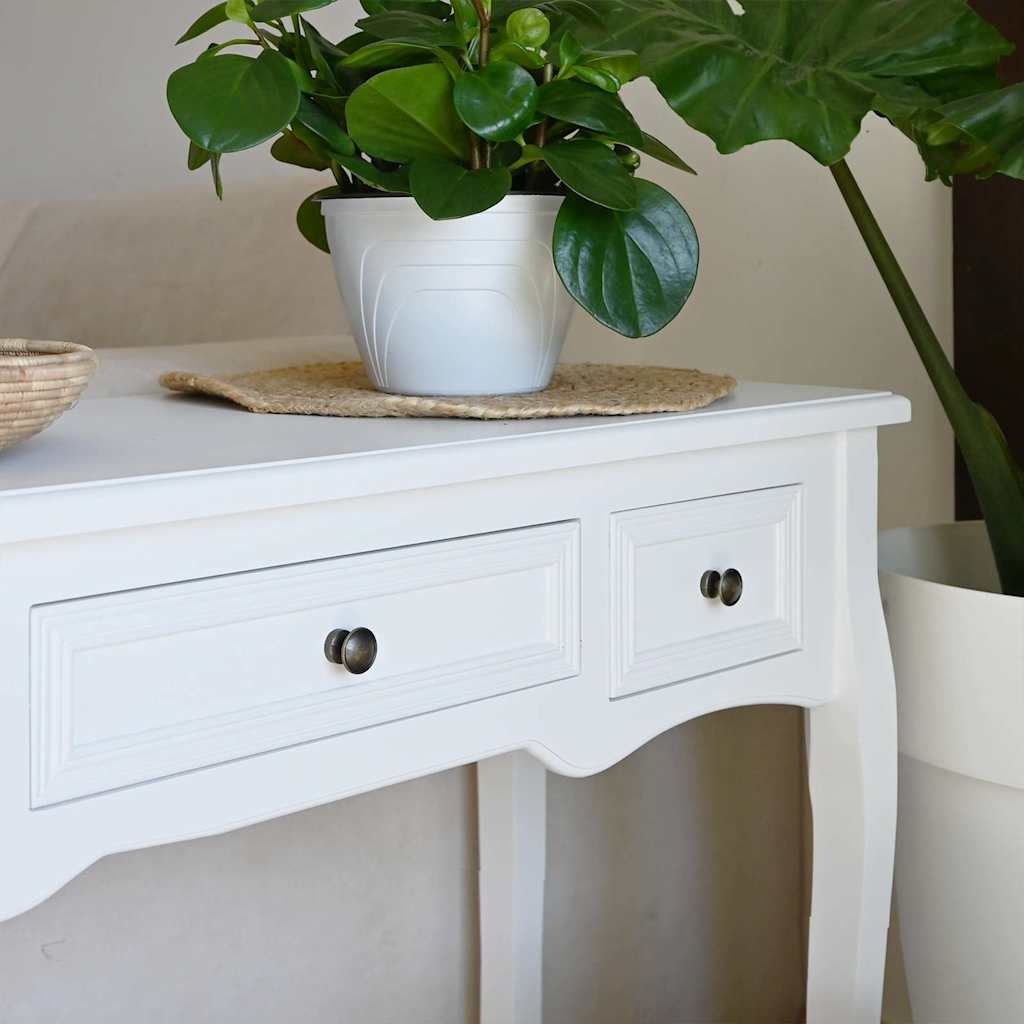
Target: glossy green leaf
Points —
{"points": [[218, 184], [507, 49], [435, 8], [498, 101], [303, 79], [368, 174], [215, 16], [238, 10], [659, 151], [317, 120], [570, 50], [230, 102], [388, 53], [289, 149], [529, 27], [322, 53], [632, 271], [445, 190], [593, 171], [409, 25], [992, 124], [275, 10], [808, 71], [197, 156], [467, 21], [595, 76], [310, 221], [579, 103], [405, 113]]}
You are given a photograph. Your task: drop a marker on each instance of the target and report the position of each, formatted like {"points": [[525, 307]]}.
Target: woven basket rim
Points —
{"points": [[28, 352]]}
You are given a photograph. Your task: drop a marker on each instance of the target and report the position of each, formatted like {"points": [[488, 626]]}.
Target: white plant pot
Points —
{"points": [[456, 307], [958, 650]]}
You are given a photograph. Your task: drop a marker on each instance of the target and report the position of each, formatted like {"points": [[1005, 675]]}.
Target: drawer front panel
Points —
{"points": [[135, 686], [664, 630]]}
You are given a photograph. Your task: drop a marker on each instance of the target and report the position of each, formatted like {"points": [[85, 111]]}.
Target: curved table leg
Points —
{"points": [[852, 774]]}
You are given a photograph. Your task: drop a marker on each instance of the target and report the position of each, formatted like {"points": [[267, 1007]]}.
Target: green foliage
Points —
{"points": [[229, 102], [458, 108], [633, 270], [592, 170], [497, 102], [405, 113], [590, 107], [445, 190]]}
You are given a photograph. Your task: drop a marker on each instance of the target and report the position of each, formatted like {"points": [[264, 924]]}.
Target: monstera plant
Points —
{"points": [[461, 103]]}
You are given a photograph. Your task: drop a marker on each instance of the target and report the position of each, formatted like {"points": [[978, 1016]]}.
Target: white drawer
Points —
{"points": [[134, 686], [664, 630]]}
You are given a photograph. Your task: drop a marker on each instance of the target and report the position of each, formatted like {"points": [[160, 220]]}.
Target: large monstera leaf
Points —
{"points": [[804, 70]]}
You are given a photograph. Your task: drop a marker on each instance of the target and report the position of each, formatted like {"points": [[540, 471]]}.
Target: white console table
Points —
{"points": [[173, 567]]}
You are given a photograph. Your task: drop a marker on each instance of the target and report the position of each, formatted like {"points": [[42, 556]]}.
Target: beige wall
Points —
{"points": [[674, 878]]}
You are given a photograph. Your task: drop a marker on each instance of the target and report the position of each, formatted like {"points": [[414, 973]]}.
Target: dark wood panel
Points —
{"points": [[988, 278]]}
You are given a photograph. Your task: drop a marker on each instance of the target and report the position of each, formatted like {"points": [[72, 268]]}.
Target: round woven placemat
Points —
{"points": [[577, 389]]}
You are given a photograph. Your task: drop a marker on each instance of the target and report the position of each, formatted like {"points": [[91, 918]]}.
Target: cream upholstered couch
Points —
{"points": [[169, 268]]}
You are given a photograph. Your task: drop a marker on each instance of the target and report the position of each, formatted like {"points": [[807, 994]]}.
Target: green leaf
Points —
{"points": [[445, 190], [230, 102], [595, 76], [506, 49], [656, 148], [570, 50], [275, 10], [385, 181], [197, 156], [409, 25], [215, 16], [529, 27], [313, 117], [310, 222], [322, 53], [632, 271], [435, 8], [497, 102], [303, 79], [807, 72], [593, 171], [291, 150], [238, 10], [218, 184], [386, 53], [993, 121], [405, 113], [583, 104]]}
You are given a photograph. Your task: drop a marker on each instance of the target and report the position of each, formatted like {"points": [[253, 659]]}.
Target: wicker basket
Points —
{"points": [[39, 380]]}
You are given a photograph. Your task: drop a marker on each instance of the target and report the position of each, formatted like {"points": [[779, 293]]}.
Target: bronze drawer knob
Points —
{"points": [[355, 650], [727, 586]]}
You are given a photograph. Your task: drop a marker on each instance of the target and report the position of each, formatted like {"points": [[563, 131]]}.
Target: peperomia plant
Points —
{"points": [[457, 104], [460, 103]]}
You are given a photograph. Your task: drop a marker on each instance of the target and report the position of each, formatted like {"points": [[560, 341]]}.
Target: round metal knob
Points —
{"points": [[732, 587], [728, 586], [355, 649], [711, 583]]}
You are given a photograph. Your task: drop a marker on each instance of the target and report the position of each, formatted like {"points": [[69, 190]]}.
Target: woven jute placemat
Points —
{"points": [[577, 389]]}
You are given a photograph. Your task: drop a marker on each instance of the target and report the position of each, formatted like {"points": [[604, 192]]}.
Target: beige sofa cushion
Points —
{"points": [[170, 268]]}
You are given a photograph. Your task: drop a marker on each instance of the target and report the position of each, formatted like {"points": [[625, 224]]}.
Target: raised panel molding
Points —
{"points": [[83, 741], [767, 525]]}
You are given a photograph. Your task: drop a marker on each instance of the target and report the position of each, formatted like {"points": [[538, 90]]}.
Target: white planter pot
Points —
{"points": [[958, 650], [457, 307]]}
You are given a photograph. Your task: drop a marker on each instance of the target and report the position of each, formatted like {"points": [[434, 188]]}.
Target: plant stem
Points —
{"points": [[480, 152], [997, 480]]}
